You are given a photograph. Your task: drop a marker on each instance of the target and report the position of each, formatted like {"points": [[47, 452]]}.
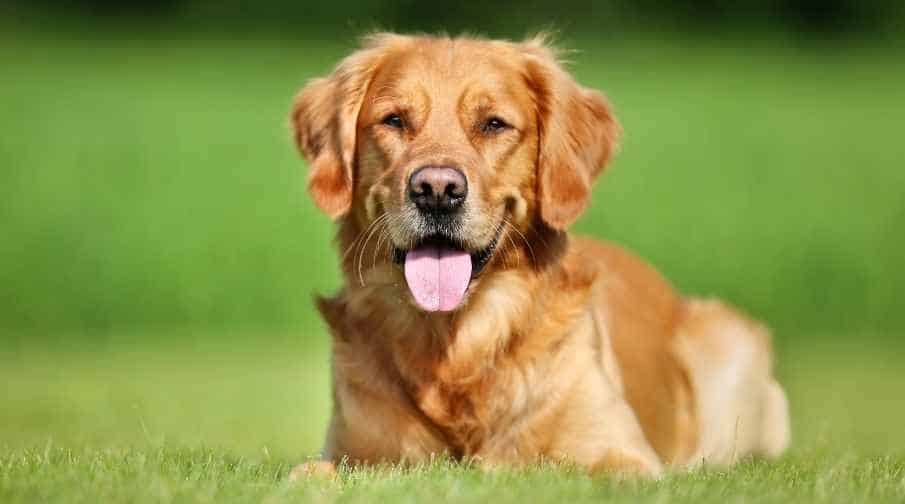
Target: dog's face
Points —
{"points": [[455, 149]]}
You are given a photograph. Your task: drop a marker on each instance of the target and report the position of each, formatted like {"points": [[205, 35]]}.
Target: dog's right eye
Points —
{"points": [[393, 121]]}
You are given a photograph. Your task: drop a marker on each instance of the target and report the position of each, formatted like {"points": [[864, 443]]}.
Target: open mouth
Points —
{"points": [[439, 269]]}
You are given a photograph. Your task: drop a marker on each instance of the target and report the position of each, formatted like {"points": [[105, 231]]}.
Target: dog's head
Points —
{"points": [[458, 151]]}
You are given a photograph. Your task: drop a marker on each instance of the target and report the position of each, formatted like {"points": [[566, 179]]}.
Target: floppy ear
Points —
{"points": [[324, 119], [577, 136]]}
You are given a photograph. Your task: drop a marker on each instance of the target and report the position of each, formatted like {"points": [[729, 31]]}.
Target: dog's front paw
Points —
{"points": [[313, 469], [622, 463]]}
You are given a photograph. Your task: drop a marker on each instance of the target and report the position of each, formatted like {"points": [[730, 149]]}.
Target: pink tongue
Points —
{"points": [[437, 276]]}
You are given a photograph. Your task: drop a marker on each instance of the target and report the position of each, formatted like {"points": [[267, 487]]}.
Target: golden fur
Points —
{"points": [[565, 348]]}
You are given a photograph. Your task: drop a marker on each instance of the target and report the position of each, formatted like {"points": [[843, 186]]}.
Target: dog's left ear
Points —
{"points": [[578, 133], [324, 120]]}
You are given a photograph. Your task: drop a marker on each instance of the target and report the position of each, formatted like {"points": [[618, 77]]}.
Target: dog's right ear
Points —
{"points": [[323, 119]]}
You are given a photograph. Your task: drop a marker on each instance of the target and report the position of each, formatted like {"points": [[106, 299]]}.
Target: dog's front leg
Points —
{"points": [[598, 430], [627, 462], [313, 469]]}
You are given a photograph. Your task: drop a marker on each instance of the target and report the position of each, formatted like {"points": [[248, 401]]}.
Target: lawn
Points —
{"points": [[202, 420], [158, 254]]}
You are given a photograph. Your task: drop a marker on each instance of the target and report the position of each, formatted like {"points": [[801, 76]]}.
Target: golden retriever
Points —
{"points": [[471, 324]]}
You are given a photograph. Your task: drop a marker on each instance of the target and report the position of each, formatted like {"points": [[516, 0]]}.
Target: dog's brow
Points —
{"points": [[452, 53], [383, 98], [385, 92]]}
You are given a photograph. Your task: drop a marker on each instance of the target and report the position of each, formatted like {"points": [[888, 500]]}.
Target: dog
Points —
{"points": [[471, 324]]}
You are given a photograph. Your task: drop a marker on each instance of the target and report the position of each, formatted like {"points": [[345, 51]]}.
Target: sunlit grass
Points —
{"points": [[207, 420], [170, 475]]}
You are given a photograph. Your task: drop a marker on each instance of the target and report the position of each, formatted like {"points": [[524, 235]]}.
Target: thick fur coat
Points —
{"points": [[562, 348]]}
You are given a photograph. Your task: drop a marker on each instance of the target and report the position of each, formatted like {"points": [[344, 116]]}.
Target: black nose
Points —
{"points": [[438, 189]]}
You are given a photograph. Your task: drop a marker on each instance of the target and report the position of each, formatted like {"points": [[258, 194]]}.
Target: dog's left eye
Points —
{"points": [[494, 125], [393, 121]]}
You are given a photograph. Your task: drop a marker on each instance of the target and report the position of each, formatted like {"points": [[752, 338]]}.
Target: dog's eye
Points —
{"points": [[493, 125], [393, 121]]}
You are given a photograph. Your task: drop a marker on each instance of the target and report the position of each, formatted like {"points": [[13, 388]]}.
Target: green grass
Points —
{"points": [[201, 420], [209, 476]]}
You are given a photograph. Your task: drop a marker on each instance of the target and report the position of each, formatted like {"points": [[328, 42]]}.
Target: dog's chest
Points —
{"points": [[478, 396], [464, 413]]}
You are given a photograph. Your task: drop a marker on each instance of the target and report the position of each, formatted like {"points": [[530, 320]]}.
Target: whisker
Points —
{"points": [[373, 227], [364, 247], [380, 235], [513, 249], [524, 239], [358, 238], [384, 233], [504, 253], [507, 263]]}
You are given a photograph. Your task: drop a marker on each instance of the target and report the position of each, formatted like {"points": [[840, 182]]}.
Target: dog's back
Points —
{"points": [[696, 373]]}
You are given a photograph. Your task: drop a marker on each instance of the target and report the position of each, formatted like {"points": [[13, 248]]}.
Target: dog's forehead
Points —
{"points": [[450, 64]]}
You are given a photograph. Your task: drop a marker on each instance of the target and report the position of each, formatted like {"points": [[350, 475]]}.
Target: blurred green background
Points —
{"points": [[158, 252]]}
